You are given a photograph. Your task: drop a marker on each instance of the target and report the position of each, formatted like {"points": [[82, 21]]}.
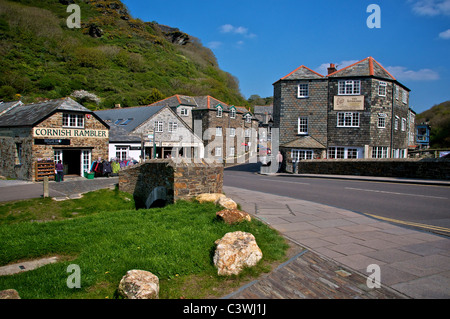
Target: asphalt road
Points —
{"points": [[409, 204]]}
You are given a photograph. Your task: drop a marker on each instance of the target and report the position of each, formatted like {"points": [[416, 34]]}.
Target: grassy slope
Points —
{"points": [[176, 243], [439, 119], [41, 57]]}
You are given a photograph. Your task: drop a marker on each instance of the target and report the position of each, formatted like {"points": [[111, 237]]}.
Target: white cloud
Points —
{"points": [[214, 44], [228, 28], [323, 68], [445, 34], [402, 73], [431, 7]]}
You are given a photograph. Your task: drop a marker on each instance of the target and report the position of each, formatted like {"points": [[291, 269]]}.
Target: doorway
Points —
{"points": [[72, 162]]}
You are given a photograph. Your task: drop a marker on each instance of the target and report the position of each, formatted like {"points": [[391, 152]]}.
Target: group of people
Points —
{"points": [[105, 168]]}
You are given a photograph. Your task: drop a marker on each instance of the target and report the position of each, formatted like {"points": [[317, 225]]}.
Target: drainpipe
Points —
{"points": [[392, 122]]}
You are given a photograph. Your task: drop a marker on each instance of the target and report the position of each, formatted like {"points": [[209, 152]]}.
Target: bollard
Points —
{"points": [[45, 187]]}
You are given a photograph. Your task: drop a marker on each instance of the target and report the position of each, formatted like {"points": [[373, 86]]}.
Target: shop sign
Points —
{"points": [[349, 103], [57, 133], [48, 141]]}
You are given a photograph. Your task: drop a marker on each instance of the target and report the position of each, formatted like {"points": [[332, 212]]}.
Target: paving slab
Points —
{"points": [[414, 263]]}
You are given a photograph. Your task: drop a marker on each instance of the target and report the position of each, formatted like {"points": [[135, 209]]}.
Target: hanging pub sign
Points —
{"points": [[48, 141]]}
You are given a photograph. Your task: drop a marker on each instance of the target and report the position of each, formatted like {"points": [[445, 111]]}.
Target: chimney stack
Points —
{"points": [[332, 68]]}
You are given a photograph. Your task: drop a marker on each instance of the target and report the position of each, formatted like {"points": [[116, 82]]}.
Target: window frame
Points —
{"points": [[382, 86], [159, 126], [219, 111], [348, 116], [173, 127], [303, 90], [349, 87], [73, 120], [302, 125], [383, 118]]}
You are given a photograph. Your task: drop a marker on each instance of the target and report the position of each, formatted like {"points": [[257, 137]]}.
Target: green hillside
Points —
{"points": [[114, 56], [438, 117]]}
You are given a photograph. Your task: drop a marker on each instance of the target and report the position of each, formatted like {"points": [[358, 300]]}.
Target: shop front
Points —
{"points": [[35, 136]]}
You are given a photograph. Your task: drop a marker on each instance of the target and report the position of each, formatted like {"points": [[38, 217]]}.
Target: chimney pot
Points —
{"points": [[332, 68]]}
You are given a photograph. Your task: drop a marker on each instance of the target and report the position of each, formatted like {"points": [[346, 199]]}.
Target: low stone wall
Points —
{"points": [[408, 168], [168, 180]]}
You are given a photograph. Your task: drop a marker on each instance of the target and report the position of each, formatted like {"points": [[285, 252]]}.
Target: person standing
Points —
{"points": [[280, 161], [59, 172]]}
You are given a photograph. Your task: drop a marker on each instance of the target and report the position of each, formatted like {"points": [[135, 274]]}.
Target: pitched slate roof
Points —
{"points": [[128, 118], [32, 114], [366, 67], [305, 142], [6, 106], [302, 72]]}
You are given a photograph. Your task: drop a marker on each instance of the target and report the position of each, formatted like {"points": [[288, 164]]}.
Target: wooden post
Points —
{"points": [[45, 183]]}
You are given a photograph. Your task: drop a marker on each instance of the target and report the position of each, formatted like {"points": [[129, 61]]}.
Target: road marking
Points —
{"points": [[430, 227], [394, 193], [278, 180]]}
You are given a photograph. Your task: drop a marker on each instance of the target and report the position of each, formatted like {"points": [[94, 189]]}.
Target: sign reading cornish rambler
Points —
{"points": [[68, 132]]}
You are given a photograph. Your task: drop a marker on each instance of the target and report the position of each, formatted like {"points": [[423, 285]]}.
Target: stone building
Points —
{"points": [[170, 136], [360, 111], [227, 131], [57, 130]]}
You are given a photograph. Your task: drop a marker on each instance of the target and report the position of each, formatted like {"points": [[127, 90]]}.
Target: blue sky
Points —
{"points": [[261, 41]]}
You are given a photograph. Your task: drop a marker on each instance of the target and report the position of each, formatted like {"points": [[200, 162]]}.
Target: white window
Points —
{"points": [[396, 122], [303, 125], [303, 90], [352, 153], [382, 88], [121, 153], [232, 131], [219, 111], [218, 151], [58, 156], [184, 112], [397, 92], [382, 120], [247, 132], [403, 124], [231, 153], [379, 152], [233, 113], [218, 131], [159, 126], [298, 155], [348, 119], [349, 87], [86, 160], [336, 152], [173, 126], [73, 120], [405, 97]]}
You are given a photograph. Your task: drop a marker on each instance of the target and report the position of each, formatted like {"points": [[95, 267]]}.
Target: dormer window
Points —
{"points": [[233, 113], [248, 118], [219, 111]]}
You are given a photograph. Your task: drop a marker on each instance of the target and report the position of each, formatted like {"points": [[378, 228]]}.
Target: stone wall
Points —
{"points": [[161, 181], [408, 168]]}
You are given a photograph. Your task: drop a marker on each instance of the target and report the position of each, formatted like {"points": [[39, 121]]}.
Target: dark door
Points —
{"points": [[72, 162]]}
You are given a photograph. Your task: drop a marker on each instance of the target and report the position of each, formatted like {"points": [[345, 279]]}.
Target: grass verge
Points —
{"points": [[176, 243]]}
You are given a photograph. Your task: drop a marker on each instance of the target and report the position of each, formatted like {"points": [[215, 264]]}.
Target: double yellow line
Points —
{"points": [[424, 226]]}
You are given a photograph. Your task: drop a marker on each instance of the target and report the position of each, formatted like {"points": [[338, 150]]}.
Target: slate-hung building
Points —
{"points": [[131, 126], [360, 111], [226, 130], [56, 130]]}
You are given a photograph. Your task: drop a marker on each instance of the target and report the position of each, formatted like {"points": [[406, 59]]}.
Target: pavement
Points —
{"points": [[335, 253], [412, 263]]}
